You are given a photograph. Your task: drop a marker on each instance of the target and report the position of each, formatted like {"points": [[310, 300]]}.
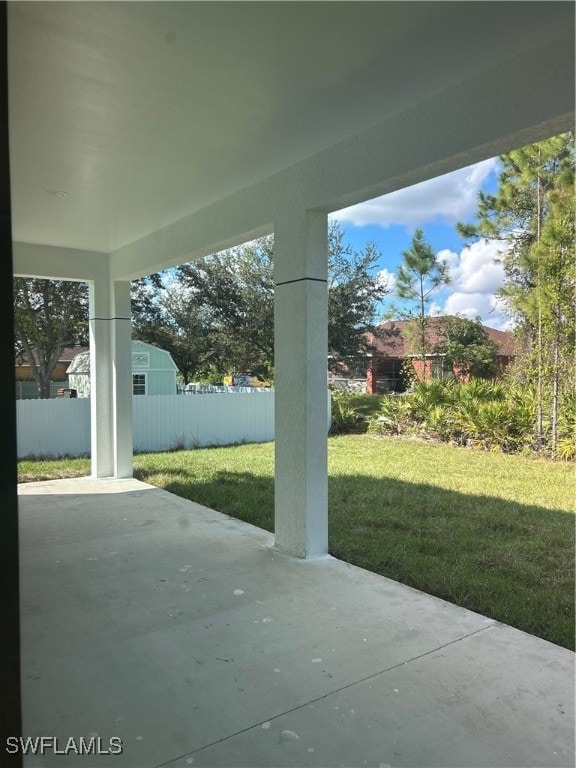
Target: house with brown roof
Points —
{"points": [[27, 388], [24, 372], [394, 355]]}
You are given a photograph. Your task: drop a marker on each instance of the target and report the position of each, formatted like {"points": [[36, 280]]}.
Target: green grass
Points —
{"points": [[32, 470], [367, 405], [490, 532]]}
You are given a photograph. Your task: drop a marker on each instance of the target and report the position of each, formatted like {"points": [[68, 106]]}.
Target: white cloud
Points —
{"points": [[476, 276], [452, 198], [473, 305], [477, 268], [469, 305], [448, 257]]}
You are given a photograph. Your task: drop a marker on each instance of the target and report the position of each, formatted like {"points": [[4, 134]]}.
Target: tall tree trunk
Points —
{"points": [[422, 328], [539, 328], [555, 391], [43, 383]]}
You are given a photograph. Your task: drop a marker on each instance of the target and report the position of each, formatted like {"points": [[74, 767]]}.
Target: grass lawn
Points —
{"points": [[490, 532]]}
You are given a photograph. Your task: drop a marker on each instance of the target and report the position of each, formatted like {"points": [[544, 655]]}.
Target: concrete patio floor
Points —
{"points": [[185, 634]]}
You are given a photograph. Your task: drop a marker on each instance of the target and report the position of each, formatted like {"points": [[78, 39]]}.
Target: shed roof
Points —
{"points": [[81, 362]]}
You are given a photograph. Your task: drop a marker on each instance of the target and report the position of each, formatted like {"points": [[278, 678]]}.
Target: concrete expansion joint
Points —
{"points": [[301, 280], [325, 695]]}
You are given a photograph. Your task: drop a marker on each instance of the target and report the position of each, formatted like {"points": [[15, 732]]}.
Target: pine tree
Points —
{"points": [[417, 278], [533, 212]]}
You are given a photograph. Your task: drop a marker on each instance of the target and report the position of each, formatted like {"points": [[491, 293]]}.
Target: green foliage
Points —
{"points": [[353, 297], [533, 213], [48, 316], [168, 315], [466, 347], [420, 274], [417, 278], [236, 288], [492, 415], [345, 415], [566, 449]]}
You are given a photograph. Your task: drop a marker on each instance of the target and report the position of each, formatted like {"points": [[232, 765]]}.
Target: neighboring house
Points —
{"points": [[26, 387], [24, 372], [394, 351], [153, 371]]}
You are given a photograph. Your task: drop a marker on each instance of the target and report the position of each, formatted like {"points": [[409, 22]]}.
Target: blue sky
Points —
{"points": [[435, 206]]}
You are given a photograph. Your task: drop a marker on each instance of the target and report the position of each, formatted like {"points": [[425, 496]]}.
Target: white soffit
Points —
{"points": [[143, 112]]}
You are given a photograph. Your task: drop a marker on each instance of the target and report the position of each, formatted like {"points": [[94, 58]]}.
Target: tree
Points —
{"points": [[354, 294], [555, 294], [420, 274], [48, 316], [169, 317], [237, 287], [533, 213], [466, 347], [146, 312]]}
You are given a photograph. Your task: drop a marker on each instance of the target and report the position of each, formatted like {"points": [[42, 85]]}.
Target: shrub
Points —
{"points": [[345, 416], [493, 415]]}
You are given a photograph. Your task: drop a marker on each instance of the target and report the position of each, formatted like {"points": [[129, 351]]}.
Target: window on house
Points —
{"points": [[390, 376], [390, 369], [138, 384], [440, 369]]}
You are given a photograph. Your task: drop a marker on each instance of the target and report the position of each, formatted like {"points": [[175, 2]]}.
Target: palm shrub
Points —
{"points": [[479, 390], [439, 422], [427, 406], [429, 394], [492, 415], [345, 415], [430, 407], [489, 424], [394, 417]]}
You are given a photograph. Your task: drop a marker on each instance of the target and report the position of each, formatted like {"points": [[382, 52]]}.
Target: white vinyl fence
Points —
{"points": [[160, 422], [53, 427]]}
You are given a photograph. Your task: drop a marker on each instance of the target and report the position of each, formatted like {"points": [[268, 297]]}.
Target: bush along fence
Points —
{"points": [[160, 422]]}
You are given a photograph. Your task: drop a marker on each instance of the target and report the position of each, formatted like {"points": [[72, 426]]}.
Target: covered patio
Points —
{"points": [[145, 135], [188, 636]]}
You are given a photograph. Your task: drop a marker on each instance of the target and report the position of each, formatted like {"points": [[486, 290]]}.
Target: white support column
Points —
{"points": [[110, 378], [300, 373]]}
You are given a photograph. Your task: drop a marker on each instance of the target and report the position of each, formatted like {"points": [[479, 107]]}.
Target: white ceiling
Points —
{"points": [[143, 112]]}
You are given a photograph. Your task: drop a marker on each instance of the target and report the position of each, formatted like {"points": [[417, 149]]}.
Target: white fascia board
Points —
{"points": [[517, 102], [54, 263]]}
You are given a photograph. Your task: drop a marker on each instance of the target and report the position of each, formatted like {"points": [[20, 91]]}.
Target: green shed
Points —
{"points": [[153, 371]]}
